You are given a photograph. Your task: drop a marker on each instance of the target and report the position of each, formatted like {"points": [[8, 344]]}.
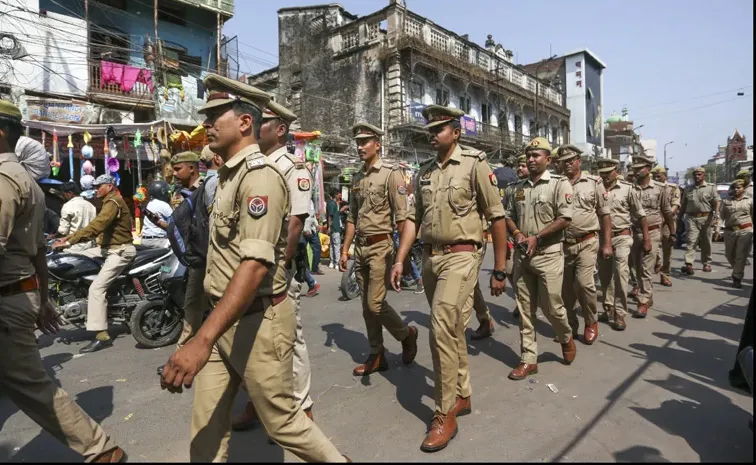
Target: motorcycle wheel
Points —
{"points": [[350, 289], [154, 325]]}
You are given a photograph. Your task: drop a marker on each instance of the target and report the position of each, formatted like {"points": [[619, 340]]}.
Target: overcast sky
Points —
{"points": [[677, 64]]}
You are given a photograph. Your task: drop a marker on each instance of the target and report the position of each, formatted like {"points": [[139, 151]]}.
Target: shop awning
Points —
{"points": [[93, 129]]}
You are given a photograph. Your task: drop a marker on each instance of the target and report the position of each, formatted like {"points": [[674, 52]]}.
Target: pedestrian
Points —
{"points": [[333, 216], [76, 214], [453, 192], [624, 209], [700, 203], [310, 228], [112, 230], [377, 195], [737, 214], [537, 215], [663, 266], [273, 133], [25, 303], [312, 237], [482, 314], [249, 333], [656, 204], [590, 221]]}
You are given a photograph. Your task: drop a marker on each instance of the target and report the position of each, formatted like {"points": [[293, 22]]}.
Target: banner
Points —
{"points": [[56, 111], [468, 126]]}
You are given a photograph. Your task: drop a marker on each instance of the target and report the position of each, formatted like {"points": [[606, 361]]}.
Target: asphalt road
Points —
{"points": [[655, 392]]}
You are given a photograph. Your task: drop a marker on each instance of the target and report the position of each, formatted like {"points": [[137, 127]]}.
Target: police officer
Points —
{"points": [[273, 133], [522, 173], [249, 334], [537, 215], [482, 314], [24, 304], [112, 228], [186, 175], [700, 203], [662, 267], [453, 193], [737, 214], [590, 214], [655, 201], [378, 193], [624, 209]]}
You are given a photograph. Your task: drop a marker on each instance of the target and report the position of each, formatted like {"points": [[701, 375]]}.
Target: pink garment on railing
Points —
{"points": [[132, 75], [110, 73]]}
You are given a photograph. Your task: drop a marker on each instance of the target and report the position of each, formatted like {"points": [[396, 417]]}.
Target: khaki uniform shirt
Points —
{"points": [[112, 227], [250, 220], [700, 199], [675, 198], [451, 199], [625, 206], [22, 210], [298, 179], [589, 203], [75, 215], [376, 193], [535, 206], [737, 211], [655, 200], [749, 191]]}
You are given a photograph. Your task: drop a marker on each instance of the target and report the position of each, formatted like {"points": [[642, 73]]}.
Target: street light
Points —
{"points": [[665, 153], [538, 83], [635, 129]]}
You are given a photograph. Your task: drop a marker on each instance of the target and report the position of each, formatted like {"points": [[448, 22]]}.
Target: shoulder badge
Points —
{"points": [[492, 178], [402, 190], [257, 206], [303, 184], [605, 195], [568, 198]]}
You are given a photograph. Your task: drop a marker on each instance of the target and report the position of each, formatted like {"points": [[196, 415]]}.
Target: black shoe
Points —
{"points": [[736, 283], [96, 345]]}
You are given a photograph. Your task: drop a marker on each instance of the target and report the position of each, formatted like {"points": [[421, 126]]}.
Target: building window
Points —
{"points": [[485, 110], [518, 124], [553, 135], [465, 103], [112, 46], [442, 96], [417, 90], [172, 14]]}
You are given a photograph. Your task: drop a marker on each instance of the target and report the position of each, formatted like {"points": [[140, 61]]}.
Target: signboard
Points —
{"points": [[469, 128], [416, 112], [56, 111], [674, 180]]}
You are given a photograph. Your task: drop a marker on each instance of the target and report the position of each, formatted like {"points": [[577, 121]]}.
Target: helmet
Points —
{"points": [[160, 190]]}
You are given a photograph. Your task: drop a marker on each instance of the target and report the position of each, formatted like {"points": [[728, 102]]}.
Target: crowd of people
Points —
{"points": [[550, 231]]}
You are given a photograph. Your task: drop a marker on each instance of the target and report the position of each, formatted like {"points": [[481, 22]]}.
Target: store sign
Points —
{"points": [[56, 111], [469, 127], [416, 112]]}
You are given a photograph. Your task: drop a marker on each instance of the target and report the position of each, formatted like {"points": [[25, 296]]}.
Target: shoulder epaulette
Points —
{"points": [[594, 178], [470, 152], [620, 181], [425, 162], [255, 160]]}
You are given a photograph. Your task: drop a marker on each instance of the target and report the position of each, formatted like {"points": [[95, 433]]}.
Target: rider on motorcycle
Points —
{"points": [[112, 228], [156, 214], [76, 214]]}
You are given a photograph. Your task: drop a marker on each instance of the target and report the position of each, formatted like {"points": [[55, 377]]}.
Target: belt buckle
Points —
{"points": [[437, 249], [447, 249], [361, 240], [736, 228]]}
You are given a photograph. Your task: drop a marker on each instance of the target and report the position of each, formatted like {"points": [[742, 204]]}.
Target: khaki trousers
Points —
{"points": [[373, 268], [301, 357], [449, 282], [256, 353], [737, 249], [614, 273], [644, 265], [699, 234], [25, 381], [578, 283], [666, 250], [479, 302], [116, 258], [538, 280], [195, 304]]}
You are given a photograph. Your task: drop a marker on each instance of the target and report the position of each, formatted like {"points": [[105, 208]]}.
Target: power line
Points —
{"points": [[692, 98]]}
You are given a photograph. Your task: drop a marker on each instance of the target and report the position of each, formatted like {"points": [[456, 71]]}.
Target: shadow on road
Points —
{"points": [[640, 454]]}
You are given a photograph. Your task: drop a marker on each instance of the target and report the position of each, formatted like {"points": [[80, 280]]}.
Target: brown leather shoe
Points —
{"points": [[116, 455], [642, 311], [442, 430], [462, 407], [523, 370], [619, 323], [246, 420], [409, 346], [569, 351], [308, 412], [634, 293], [688, 269], [486, 329], [374, 362], [665, 281], [707, 268], [590, 333]]}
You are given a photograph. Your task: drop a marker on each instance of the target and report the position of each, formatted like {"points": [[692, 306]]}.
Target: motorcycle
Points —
{"points": [[147, 297], [350, 289]]}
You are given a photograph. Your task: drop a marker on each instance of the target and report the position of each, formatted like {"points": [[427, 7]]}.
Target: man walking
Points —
{"points": [[700, 203], [333, 215], [663, 267]]}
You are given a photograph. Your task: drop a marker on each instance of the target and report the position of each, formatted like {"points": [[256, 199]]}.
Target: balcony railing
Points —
{"points": [[140, 92], [425, 33]]}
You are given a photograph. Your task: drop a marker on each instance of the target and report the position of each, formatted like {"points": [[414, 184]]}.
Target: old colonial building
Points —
{"points": [[385, 67]]}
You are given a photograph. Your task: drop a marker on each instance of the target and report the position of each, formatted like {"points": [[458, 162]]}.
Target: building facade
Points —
{"points": [[621, 140], [736, 153], [385, 67]]}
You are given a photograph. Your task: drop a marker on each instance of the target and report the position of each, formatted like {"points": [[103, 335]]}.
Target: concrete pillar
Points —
{"points": [[394, 92]]}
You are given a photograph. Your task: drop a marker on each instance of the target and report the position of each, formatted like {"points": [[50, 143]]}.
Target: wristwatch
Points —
{"points": [[539, 240], [499, 275]]}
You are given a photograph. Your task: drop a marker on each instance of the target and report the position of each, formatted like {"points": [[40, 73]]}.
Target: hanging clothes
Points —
{"points": [[110, 73], [132, 75]]}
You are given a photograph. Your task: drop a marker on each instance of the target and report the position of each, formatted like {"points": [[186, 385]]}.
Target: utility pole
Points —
{"points": [[665, 153]]}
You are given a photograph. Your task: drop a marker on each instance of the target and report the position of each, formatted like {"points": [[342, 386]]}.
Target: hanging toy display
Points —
{"points": [[55, 163], [70, 158], [111, 162], [87, 178], [139, 198], [137, 146]]}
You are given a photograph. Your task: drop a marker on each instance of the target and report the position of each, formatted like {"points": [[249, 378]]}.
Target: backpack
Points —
{"points": [[188, 229]]}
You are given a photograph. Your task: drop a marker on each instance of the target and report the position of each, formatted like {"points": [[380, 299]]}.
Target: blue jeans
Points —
{"points": [[314, 241], [335, 248], [413, 269], [309, 279]]}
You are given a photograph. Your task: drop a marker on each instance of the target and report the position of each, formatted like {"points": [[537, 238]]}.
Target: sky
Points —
{"points": [[676, 64]]}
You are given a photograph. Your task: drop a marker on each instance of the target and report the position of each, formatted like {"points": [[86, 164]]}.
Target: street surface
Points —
{"points": [[655, 392]]}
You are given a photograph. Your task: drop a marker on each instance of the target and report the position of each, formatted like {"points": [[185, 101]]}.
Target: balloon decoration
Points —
{"points": [[111, 152], [55, 164], [70, 158]]}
